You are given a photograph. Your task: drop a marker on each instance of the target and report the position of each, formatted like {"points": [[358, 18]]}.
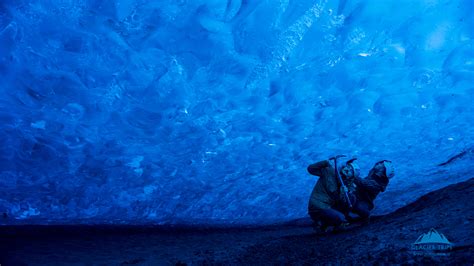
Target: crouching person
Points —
{"points": [[368, 188], [328, 194]]}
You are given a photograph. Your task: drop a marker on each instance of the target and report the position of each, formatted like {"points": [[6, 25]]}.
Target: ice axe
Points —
{"points": [[340, 178]]}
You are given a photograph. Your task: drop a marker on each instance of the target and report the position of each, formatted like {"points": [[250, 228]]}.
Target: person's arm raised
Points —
{"points": [[315, 168], [368, 184]]}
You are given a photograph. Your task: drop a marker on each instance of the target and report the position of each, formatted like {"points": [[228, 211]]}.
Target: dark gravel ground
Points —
{"points": [[385, 241]]}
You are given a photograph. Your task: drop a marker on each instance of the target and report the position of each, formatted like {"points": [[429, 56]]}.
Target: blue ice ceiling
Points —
{"points": [[209, 111]]}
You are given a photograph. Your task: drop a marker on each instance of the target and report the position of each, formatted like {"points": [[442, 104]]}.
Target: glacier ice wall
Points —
{"points": [[170, 111]]}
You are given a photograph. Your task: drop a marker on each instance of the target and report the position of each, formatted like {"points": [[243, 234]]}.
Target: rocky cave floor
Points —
{"points": [[386, 240]]}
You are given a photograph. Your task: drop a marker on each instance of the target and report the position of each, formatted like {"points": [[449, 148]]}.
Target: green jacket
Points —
{"points": [[327, 193]]}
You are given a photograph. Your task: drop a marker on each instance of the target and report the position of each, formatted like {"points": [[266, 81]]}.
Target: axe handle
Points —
{"points": [[340, 180]]}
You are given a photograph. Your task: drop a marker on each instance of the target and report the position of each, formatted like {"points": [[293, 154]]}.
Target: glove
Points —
{"points": [[345, 197], [344, 191]]}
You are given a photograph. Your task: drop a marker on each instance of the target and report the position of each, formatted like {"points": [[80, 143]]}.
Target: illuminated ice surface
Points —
{"points": [[182, 111]]}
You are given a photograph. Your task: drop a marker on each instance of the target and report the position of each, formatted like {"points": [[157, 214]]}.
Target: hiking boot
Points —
{"points": [[341, 228], [320, 228]]}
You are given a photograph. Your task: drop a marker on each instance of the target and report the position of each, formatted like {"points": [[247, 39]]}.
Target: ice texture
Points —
{"points": [[176, 111]]}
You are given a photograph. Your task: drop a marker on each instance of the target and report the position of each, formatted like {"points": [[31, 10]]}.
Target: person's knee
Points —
{"points": [[333, 217], [362, 209], [364, 214], [315, 216]]}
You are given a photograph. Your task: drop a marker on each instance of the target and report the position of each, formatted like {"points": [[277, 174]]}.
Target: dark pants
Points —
{"points": [[362, 209], [327, 217]]}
